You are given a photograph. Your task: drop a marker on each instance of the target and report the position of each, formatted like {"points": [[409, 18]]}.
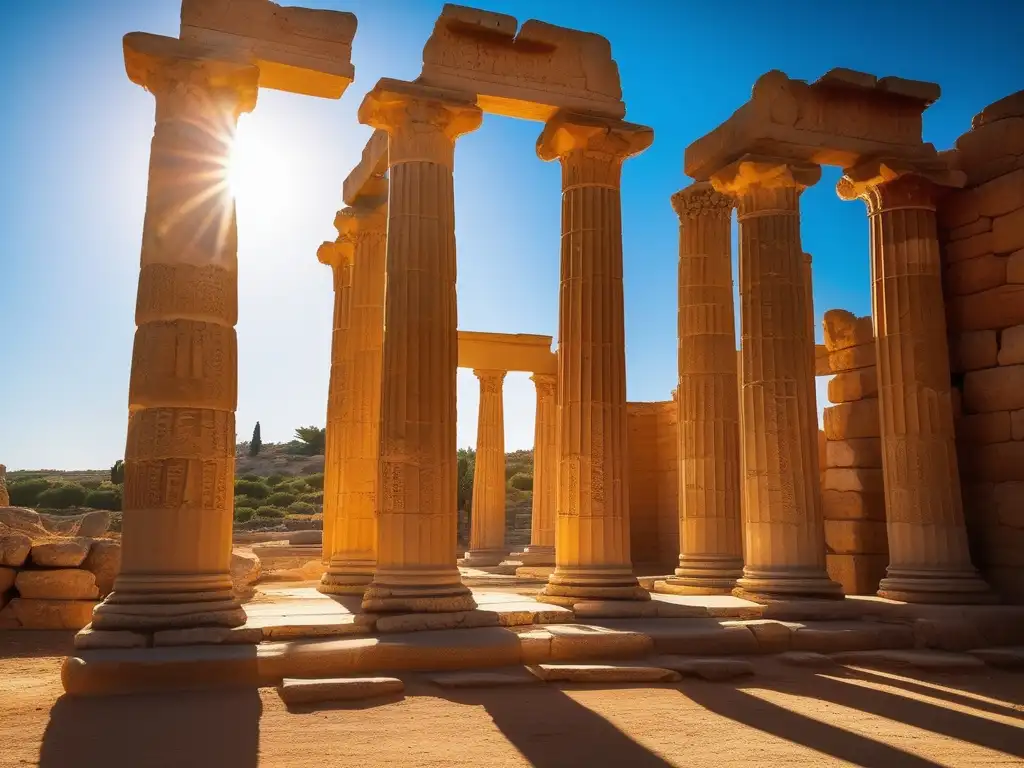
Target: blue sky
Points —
{"points": [[74, 143]]}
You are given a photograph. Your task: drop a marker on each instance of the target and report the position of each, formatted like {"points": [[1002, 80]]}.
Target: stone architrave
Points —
{"points": [[353, 546], [541, 550], [784, 532], [592, 559], [179, 458], [416, 504], [929, 561], [710, 532], [487, 530]]}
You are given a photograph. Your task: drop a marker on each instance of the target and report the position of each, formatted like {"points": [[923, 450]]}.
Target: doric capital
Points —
{"points": [[422, 122], [545, 384], [357, 223], [884, 184], [611, 140], [753, 172], [189, 74], [702, 199]]}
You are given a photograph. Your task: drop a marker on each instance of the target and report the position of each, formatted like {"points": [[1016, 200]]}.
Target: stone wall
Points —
{"points": [[853, 494], [653, 484], [982, 232]]}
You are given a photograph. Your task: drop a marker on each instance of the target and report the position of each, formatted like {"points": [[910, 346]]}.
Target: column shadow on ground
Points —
{"points": [[36, 643], [968, 685], [195, 728]]}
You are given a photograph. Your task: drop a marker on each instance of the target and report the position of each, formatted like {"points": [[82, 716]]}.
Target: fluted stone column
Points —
{"points": [[179, 457], [929, 561], [354, 542], [417, 499], [592, 525], [487, 524], [784, 532], [710, 538], [541, 550]]}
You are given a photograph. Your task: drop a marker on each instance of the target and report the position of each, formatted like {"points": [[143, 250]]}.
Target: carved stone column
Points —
{"points": [[785, 541], [353, 546], [592, 526], [928, 557], [710, 539], [179, 457], [541, 550], [417, 500], [487, 529]]}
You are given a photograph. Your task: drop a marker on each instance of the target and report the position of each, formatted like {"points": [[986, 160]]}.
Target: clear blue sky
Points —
{"points": [[74, 143]]}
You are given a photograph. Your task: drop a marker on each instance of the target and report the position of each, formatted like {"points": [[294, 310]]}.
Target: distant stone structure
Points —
{"points": [[5, 499]]}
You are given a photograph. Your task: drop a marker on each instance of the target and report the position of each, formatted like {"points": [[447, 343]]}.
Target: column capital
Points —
{"points": [[168, 67], [356, 223], [567, 132], [422, 122], [702, 199], [545, 383], [754, 172], [886, 184], [490, 380], [334, 254]]}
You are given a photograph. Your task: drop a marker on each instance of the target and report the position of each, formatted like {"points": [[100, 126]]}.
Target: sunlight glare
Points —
{"points": [[256, 171]]}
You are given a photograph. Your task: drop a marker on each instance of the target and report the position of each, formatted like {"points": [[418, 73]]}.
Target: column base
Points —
{"points": [[803, 583], [350, 577], [535, 554], [483, 558], [568, 586], [703, 575], [417, 591], [155, 602], [941, 587]]}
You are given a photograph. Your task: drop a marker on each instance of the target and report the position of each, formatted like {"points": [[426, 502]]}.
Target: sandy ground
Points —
{"points": [[782, 716]]}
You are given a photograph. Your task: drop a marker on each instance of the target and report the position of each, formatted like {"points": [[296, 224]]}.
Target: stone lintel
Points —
{"points": [[766, 172], [838, 120], [530, 74], [299, 50], [369, 175], [507, 352], [860, 179], [567, 131]]}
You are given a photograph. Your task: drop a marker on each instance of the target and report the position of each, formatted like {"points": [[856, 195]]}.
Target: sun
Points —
{"points": [[256, 171]]}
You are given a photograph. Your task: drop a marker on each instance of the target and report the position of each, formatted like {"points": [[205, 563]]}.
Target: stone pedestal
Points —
{"points": [[929, 561], [487, 515], [592, 524], [710, 540], [541, 550], [179, 457], [417, 500], [355, 399], [785, 548]]}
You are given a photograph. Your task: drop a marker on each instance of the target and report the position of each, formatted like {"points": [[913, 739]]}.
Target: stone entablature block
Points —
{"points": [[507, 352], [530, 74], [369, 176], [840, 119]]}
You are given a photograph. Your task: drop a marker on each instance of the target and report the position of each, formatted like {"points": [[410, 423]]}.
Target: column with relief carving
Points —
{"points": [[592, 558], [710, 536], [929, 561], [487, 530], [541, 550], [179, 457], [417, 498], [784, 531]]}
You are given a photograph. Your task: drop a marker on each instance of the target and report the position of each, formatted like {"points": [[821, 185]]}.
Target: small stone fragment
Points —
{"points": [[338, 689], [104, 560]]}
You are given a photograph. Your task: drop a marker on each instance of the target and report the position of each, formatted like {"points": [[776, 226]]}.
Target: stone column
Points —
{"points": [[592, 526], [929, 560], [784, 532], [487, 515], [416, 505], [541, 550], [353, 546], [180, 452], [710, 540]]}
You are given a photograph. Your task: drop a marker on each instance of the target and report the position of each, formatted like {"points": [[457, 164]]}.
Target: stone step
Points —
{"points": [[603, 673], [706, 668], [932, 661], [577, 642], [1005, 657], [338, 689], [489, 678]]}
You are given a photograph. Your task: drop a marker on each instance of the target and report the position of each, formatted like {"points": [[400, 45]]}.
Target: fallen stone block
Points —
{"points": [[714, 669], [14, 549], [418, 622], [485, 678], [837, 636], [22, 613], [306, 537], [932, 661], [1007, 657], [61, 584], [338, 689], [806, 659], [104, 560], [602, 673], [843, 329], [88, 638], [62, 553]]}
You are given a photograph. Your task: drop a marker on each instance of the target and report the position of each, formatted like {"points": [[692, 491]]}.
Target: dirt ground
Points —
{"points": [[782, 716]]}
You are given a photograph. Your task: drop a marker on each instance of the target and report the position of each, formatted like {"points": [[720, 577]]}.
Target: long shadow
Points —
{"points": [[36, 643], [736, 704], [953, 697], [920, 714], [552, 730], [195, 728]]}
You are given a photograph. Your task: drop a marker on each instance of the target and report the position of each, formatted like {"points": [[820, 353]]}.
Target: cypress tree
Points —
{"points": [[256, 443]]}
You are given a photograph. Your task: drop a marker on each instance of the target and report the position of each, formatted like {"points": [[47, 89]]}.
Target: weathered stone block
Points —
{"points": [[1008, 232], [860, 452], [1006, 107], [59, 584], [850, 537], [23, 613], [835, 636], [14, 549], [993, 427], [90, 639], [853, 385], [338, 689], [7, 576], [1011, 346], [994, 389], [850, 505], [104, 560], [973, 350], [997, 197], [844, 329], [63, 553], [852, 420], [995, 463], [976, 227], [969, 248], [994, 309], [1015, 267], [707, 669], [1017, 424], [975, 275], [989, 151], [416, 622], [857, 479], [858, 574], [852, 358]]}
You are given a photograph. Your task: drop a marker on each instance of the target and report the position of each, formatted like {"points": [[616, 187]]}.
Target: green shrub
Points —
{"points": [[92, 485], [104, 498], [521, 482], [301, 508], [313, 498], [316, 481], [25, 493], [252, 488], [251, 477], [272, 513], [275, 480], [281, 498], [62, 496], [247, 501], [297, 486], [244, 514]]}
